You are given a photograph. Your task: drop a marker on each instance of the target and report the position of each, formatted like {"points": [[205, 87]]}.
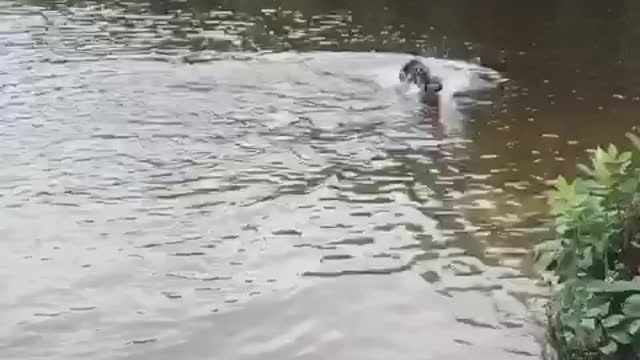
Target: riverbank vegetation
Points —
{"points": [[594, 312]]}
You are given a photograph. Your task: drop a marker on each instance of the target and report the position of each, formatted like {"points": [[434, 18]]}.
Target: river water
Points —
{"points": [[248, 180]]}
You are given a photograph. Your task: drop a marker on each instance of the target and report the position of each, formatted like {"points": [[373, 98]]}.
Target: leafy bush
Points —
{"points": [[595, 258]]}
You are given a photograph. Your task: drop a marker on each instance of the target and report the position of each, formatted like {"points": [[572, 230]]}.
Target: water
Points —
{"points": [[214, 180]]}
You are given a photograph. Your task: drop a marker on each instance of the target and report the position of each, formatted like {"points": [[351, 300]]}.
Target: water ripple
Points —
{"points": [[165, 191]]}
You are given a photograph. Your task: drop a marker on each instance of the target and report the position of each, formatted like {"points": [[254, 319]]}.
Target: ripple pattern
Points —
{"points": [[165, 193]]}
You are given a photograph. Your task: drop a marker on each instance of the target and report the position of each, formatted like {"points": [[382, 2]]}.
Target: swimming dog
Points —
{"points": [[417, 73]]}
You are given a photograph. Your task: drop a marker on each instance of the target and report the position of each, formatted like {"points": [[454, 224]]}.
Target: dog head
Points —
{"points": [[416, 72]]}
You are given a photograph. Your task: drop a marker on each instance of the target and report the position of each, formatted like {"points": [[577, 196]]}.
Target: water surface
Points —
{"points": [[248, 180]]}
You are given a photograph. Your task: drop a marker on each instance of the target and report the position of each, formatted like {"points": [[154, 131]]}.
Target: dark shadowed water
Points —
{"points": [[248, 180]]}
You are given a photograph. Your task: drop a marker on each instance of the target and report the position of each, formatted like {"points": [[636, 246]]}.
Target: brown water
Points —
{"points": [[215, 180]]}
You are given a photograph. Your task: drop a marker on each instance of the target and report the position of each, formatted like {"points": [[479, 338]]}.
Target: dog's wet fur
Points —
{"points": [[418, 73]]}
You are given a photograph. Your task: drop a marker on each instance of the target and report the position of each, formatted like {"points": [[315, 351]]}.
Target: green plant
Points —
{"points": [[596, 312]]}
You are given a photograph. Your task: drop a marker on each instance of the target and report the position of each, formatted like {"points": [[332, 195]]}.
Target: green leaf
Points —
{"points": [[635, 140], [629, 186], [587, 259], [565, 195], [631, 306], [586, 186], [562, 186], [545, 260], [610, 348], [616, 287], [588, 324], [545, 254], [589, 334], [599, 311], [612, 151], [621, 336], [566, 266], [613, 320], [550, 245], [634, 327], [625, 156], [601, 160]]}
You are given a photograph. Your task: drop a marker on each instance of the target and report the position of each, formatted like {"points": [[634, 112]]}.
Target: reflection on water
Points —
{"points": [[187, 178]]}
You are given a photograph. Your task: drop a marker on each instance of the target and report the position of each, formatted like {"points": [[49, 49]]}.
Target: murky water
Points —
{"points": [[213, 180]]}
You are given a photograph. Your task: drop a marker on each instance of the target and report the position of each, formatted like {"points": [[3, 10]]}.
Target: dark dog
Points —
{"points": [[418, 73]]}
